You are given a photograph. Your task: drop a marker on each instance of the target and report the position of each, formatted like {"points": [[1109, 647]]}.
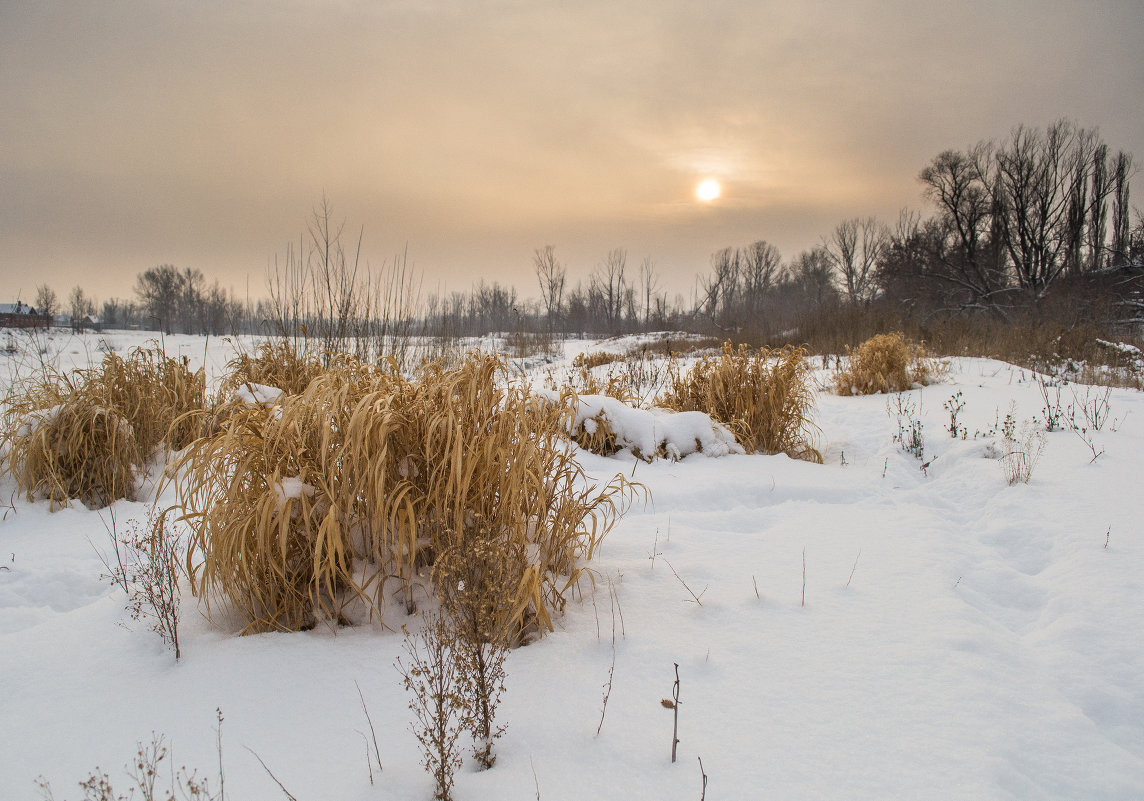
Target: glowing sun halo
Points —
{"points": [[707, 190]]}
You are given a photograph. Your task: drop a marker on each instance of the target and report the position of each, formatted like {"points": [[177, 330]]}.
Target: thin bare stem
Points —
{"points": [[372, 731], [684, 583], [271, 774], [852, 569]]}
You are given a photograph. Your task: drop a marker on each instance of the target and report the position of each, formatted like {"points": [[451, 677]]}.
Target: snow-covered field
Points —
{"points": [[960, 638]]}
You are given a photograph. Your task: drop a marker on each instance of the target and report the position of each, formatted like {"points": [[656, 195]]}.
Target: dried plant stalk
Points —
{"points": [[765, 398], [886, 363]]}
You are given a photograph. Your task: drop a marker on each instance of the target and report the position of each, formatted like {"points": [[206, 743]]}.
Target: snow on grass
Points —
{"points": [[258, 394], [960, 639], [647, 431]]}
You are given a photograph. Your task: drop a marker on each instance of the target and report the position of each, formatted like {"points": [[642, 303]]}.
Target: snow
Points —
{"points": [[960, 638], [258, 394], [291, 488], [644, 431]]}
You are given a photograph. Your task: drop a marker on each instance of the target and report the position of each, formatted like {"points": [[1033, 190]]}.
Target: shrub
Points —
{"points": [[275, 364], [1022, 450], [885, 363], [477, 576], [85, 435], [595, 359], [147, 568], [367, 465], [74, 450], [764, 398], [431, 680]]}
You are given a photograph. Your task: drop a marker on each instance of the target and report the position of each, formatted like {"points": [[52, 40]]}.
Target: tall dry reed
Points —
{"points": [[86, 434], [886, 363], [764, 397], [363, 479]]}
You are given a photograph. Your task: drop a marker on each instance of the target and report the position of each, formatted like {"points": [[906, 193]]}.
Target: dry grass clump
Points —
{"points": [[366, 478], [86, 435], [154, 392], [264, 520], [276, 363], [595, 434], [886, 363], [764, 398], [596, 359], [76, 449]]}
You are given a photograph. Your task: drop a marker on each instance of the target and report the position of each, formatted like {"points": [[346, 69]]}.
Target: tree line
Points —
{"points": [[1011, 221], [166, 298]]}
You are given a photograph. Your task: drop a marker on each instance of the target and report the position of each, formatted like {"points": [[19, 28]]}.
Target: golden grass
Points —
{"points": [[395, 473], [596, 359], [594, 434], [74, 450], [764, 398], [276, 363], [154, 392], [85, 435], [886, 363]]}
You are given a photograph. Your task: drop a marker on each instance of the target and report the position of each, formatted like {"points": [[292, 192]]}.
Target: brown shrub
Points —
{"points": [[390, 473], [106, 420], [764, 398], [76, 449], [886, 363]]}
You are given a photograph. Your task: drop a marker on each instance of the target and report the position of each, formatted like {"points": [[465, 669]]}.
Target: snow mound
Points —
{"points": [[258, 394], [291, 488], [646, 432]]}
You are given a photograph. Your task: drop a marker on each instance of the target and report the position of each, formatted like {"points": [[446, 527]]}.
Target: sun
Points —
{"points": [[708, 190]]}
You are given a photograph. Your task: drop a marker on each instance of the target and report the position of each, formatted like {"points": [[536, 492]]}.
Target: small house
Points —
{"points": [[21, 315]]}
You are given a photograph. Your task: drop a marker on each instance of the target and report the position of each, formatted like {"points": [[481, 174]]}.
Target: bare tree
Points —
{"points": [[854, 247], [551, 274], [969, 252], [719, 291], [760, 265], [1098, 208], [159, 290], [1121, 171], [46, 302], [648, 285], [608, 286], [80, 305], [1035, 175]]}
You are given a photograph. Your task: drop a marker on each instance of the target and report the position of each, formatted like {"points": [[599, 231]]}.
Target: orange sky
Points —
{"points": [[203, 133]]}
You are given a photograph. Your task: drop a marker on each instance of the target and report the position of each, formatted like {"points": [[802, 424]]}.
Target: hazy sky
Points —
{"points": [[203, 133]]}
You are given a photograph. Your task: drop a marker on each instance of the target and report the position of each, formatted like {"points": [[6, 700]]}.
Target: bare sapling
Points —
{"points": [[694, 597], [954, 406], [855, 567], [373, 735], [1053, 407], [1021, 451], [431, 679], [673, 705], [675, 713], [146, 566], [910, 436], [476, 574]]}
